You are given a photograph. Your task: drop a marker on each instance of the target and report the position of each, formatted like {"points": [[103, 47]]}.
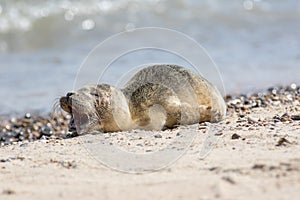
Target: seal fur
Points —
{"points": [[156, 97]]}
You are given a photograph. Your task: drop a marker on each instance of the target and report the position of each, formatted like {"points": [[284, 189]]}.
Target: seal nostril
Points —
{"points": [[70, 94]]}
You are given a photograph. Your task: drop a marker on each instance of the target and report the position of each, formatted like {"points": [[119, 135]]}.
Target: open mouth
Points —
{"points": [[79, 122], [72, 127]]}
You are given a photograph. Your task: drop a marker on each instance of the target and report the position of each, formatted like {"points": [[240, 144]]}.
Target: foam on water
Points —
{"points": [[255, 43]]}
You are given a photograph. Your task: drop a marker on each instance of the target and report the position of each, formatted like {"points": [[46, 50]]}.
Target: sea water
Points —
{"points": [[254, 43]]}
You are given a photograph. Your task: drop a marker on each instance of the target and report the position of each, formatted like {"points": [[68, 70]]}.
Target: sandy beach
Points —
{"points": [[249, 50], [257, 156]]}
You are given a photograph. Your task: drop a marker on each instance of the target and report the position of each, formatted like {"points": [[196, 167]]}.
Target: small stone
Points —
{"points": [[293, 86], [49, 125], [282, 141], [13, 139], [241, 115], [276, 103], [23, 144], [258, 166], [27, 116], [296, 103], [7, 127], [46, 131], [8, 192], [214, 168], [229, 180], [20, 158], [37, 135], [6, 143], [219, 133], [285, 118], [44, 137], [13, 120], [235, 136], [240, 121], [295, 117], [235, 101], [39, 124], [252, 120], [35, 127], [26, 122], [157, 136], [73, 134]]}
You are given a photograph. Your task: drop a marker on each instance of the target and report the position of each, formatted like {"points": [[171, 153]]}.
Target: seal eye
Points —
{"points": [[95, 94]]}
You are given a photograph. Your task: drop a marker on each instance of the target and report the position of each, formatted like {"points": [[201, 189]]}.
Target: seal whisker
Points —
{"points": [[56, 109]]}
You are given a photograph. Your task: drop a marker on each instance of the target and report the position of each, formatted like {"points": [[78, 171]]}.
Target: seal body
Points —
{"points": [[156, 97]]}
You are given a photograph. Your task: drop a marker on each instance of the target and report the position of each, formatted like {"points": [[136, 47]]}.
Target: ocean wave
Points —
{"points": [[26, 25]]}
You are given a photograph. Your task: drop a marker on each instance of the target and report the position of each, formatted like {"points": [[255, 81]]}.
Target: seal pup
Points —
{"points": [[156, 97]]}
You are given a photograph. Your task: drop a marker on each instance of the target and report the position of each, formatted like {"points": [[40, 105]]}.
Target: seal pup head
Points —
{"points": [[97, 107]]}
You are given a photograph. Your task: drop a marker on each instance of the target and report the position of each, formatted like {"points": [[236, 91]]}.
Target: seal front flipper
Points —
{"points": [[153, 106]]}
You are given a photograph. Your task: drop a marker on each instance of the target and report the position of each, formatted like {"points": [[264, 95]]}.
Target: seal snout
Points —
{"points": [[66, 102]]}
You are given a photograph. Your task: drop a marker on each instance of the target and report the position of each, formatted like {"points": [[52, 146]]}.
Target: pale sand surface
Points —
{"points": [[250, 167]]}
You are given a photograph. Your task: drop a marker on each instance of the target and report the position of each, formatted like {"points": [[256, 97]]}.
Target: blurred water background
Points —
{"points": [[255, 43]]}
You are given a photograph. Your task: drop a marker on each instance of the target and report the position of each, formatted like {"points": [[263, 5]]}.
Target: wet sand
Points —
{"points": [[257, 156]]}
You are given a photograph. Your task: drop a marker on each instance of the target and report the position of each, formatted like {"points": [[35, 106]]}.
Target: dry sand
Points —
{"points": [[254, 158]]}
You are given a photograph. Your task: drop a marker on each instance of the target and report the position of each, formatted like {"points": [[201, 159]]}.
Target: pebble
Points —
{"points": [[27, 116], [202, 127], [258, 166], [219, 133], [8, 192], [273, 96], [252, 119], [46, 131], [229, 180], [32, 127], [295, 117], [235, 136], [282, 141], [23, 144]]}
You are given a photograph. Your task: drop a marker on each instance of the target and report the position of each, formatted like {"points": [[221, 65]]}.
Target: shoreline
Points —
{"points": [[31, 127], [257, 156]]}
